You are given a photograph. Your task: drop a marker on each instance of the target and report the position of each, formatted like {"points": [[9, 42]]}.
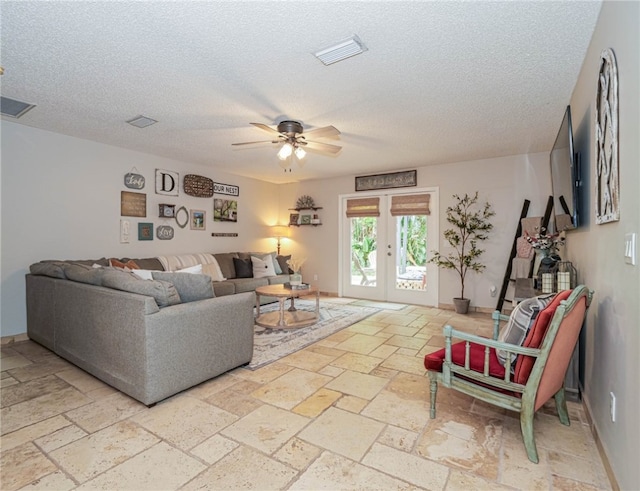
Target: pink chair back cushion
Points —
{"points": [[435, 360], [560, 354], [524, 364]]}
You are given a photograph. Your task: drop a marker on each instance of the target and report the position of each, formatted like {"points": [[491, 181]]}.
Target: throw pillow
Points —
{"points": [[213, 270], [197, 269], [144, 274], [284, 265], [116, 263], [519, 323], [225, 261], [243, 267], [262, 267], [268, 255], [164, 293], [190, 287]]}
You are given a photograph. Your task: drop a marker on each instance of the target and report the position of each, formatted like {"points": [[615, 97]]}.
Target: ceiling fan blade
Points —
{"points": [[322, 132], [323, 147], [266, 128], [251, 143]]}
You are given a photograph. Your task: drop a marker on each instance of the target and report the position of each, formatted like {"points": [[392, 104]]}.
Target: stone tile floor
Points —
{"points": [[349, 412]]}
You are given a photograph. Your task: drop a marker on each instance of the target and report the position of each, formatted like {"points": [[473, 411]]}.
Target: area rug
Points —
{"points": [[270, 345]]}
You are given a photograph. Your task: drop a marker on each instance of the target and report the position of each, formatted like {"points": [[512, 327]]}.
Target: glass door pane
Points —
{"points": [[363, 260], [411, 252]]}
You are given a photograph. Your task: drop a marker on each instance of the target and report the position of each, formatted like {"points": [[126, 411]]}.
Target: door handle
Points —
{"points": [[388, 253]]}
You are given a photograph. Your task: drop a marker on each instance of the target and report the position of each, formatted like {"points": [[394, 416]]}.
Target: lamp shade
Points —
{"points": [[278, 231]]}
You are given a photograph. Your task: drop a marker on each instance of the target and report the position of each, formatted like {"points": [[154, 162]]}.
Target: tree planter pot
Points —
{"points": [[461, 305]]}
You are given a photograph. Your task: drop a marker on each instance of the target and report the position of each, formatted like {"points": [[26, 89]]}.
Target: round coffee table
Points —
{"points": [[290, 318]]}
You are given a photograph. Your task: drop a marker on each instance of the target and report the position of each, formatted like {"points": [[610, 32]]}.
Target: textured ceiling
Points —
{"points": [[441, 81]]}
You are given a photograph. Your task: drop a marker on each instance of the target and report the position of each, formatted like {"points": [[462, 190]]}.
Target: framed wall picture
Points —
{"points": [[167, 182], [386, 181], [145, 231], [294, 218], [305, 220], [198, 220], [133, 204], [225, 210]]}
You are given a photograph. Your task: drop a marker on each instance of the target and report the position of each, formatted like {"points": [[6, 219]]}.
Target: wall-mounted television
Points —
{"points": [[565, 177]]}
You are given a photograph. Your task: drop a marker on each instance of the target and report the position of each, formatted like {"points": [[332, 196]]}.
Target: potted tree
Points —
{"points": [[470, 225]]}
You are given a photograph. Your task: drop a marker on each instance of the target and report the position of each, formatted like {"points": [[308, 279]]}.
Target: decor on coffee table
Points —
{"points": [[292, 318], [270, 345], [296, 265], [470, 226]]}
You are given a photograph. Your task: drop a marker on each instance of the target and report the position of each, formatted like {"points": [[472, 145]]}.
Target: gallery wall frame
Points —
{"points": [[145, 231], [133, 204], [198, 221], [390, 180]]}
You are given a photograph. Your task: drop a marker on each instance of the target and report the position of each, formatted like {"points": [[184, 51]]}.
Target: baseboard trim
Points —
{"points": [[7, 340], [603, 456], [472, 308]]}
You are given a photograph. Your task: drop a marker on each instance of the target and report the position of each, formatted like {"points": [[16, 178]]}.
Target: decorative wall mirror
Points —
{"points": [[182, 217]]}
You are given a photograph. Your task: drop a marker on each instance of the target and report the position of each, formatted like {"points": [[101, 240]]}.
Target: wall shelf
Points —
{"points": [[304, 219]]}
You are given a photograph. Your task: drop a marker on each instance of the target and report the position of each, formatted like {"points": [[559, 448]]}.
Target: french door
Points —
{"points": [[386, 241]]}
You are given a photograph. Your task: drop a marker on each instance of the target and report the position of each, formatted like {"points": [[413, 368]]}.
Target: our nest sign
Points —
{"points": [[228, 189]]}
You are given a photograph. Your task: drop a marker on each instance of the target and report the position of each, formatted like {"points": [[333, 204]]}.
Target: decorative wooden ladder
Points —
{"points": [[507, 273]]}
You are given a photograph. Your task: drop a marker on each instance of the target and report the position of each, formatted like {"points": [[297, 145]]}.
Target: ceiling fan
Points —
{"points": [[293, 138]]}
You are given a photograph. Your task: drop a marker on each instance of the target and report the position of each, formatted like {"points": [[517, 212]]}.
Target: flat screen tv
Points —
{"points": [[565, 177]]}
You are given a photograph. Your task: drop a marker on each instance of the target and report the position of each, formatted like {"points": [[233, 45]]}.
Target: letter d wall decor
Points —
{"points": [[167, 182]]}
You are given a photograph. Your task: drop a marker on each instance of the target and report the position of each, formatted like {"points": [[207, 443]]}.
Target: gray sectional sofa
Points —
{"points": [[148, 338]]}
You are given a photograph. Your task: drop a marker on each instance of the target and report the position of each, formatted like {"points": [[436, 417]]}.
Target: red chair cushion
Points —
{"points": [[435, 360], [524, 364]]}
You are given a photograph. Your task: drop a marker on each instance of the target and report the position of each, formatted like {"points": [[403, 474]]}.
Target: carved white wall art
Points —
{"points": [[606, 138]]}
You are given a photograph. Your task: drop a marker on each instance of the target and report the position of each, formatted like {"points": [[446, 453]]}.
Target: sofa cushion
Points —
{"points": [[190, 287], [435, 360], [262, 267], [243, 267], [54, 269], [284, 265], [248, 284], [222, 288], [225, 261], [103, 261], [520, 321], [83, 273], [164, 293], [214, 271], [150, 263], [182, 261], [280, 279]]}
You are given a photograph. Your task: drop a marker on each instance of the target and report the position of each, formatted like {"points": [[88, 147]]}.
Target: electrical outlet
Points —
{"points": [[315, 277], [612, 406]]}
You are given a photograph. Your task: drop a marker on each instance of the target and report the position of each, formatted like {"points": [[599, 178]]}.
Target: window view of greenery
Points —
{"points": [[411, 246]]}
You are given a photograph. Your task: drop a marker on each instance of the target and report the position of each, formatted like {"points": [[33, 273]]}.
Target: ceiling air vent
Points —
{"points": [[13, 108], [141, 121], [340, 51]]}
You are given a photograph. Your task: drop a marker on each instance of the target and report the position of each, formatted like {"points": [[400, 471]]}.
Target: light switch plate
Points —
{"points": [[630, 249]]}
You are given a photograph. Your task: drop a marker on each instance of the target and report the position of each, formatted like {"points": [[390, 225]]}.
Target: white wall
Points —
{"points": [[505, 182], [61, 200], [613, 328]]}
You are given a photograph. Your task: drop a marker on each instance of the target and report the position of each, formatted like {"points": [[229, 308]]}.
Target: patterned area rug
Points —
{"points": [[272, 344]]}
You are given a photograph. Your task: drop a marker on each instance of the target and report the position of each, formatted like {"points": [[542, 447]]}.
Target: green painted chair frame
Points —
{"points": [[547, 376]]}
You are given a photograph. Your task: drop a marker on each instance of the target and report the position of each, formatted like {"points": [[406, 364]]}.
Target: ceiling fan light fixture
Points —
{"points": [[285, 152], [344, 49], [300, 153]]}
